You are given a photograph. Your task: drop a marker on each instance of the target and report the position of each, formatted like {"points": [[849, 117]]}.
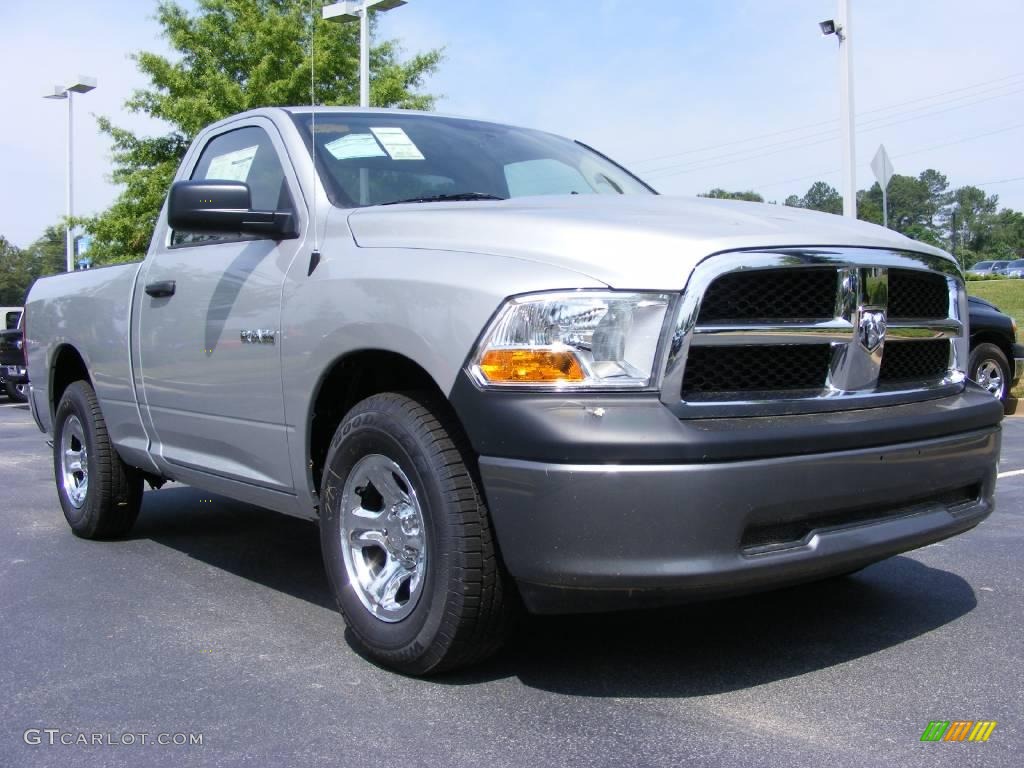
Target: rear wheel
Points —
{"points": [[406, 539], [99, 493]]}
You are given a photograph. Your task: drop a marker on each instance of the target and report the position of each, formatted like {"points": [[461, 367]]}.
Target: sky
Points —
{"points": [[690, 94]]}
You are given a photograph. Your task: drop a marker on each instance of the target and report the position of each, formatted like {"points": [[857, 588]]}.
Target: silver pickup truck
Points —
{"points": [[501, 372]]}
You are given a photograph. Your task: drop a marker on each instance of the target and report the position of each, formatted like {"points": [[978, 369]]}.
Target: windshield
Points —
{"points": [[1018, 264], [380, 158], [982, 265]]}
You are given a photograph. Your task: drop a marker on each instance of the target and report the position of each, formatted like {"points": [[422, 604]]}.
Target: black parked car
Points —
{"points": [[997, 360], [13, 370]]}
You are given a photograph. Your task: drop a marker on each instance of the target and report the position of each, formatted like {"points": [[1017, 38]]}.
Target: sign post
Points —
{"points": [[882, 166]]}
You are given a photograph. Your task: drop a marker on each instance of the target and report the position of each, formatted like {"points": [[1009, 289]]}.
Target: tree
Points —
{"points": [[234, 55], [721, 194], [869, 205], [49, 252], [19, 267], [1008, 234], [820, 197], [914, 204], [971, 221], [14, 273]]}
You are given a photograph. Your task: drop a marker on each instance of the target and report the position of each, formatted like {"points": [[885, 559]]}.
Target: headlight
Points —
{"points": [[582, 339]]}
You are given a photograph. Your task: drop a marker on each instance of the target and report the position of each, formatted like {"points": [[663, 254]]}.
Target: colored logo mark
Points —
{"points": [[958, 730]]}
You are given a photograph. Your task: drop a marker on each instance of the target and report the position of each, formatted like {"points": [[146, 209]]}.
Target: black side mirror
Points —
{"points": [[224, 206]]}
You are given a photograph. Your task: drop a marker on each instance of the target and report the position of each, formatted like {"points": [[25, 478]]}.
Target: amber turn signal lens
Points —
{"points": [[535, 365]]}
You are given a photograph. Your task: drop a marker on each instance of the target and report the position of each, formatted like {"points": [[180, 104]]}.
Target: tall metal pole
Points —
{"points": [[364, 56], [364, 89], [69, 234], [846, 120], [885, 208]]}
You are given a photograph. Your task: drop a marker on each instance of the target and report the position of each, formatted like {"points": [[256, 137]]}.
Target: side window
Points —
{"points": [[248, 155]]}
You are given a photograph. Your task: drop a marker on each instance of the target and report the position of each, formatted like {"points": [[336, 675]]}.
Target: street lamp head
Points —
{"points": [[349, 10], [828, 27], [341, 12], [83, 84]]}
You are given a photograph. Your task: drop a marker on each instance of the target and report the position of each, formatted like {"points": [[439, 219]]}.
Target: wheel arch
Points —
{"points": [[352, 377], [68, 366], [991, 337]]}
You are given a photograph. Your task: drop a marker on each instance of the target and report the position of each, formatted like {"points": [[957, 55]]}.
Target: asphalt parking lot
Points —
{"points": [[214, 618]]}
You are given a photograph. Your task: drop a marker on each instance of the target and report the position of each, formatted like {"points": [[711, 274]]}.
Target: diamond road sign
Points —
{"points": [[882, 166]]}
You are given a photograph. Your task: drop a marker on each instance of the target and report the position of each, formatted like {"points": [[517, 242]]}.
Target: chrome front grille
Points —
{"points": [[815, 329]]}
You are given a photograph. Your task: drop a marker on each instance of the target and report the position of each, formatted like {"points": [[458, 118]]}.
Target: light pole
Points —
{"points": [[351, 10], [82, 85], [840, 27]]}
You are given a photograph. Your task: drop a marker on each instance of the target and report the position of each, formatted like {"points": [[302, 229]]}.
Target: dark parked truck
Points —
{"points": [[500, 371], [997, 359], [13, 369]]}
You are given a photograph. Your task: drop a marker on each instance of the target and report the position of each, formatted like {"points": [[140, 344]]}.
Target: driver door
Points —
{"points": [[210, 353]]}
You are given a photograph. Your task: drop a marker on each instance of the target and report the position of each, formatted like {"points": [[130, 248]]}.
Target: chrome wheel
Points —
{"points": [[74, 462], [383, 540], [989, 375]]}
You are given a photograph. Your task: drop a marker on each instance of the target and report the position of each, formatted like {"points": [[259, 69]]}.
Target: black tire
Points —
{"points": [[17, 392], [463, 610], [113, 493], [988, 356]]}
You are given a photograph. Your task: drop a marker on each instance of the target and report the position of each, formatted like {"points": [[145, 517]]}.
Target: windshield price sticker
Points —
{"points": [[354, 145], [398, 144]]}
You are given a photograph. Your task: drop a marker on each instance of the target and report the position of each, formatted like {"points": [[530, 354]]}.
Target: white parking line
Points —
{"points": [[14, 405], [1011, 473]]}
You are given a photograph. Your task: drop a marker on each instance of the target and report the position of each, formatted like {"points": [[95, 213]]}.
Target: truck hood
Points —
{"points": [[629, 241]]}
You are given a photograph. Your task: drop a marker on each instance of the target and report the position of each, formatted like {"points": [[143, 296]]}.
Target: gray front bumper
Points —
{"points": [[594, 537]]}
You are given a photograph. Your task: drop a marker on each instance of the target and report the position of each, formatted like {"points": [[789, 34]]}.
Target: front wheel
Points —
{"points": [[406, 538], [99, 493], [990, 369]]}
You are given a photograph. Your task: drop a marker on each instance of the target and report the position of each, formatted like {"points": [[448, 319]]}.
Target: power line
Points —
{"points": [[834, 120], [788, 145], [819, 174], [1000, 181], [961, 141]]}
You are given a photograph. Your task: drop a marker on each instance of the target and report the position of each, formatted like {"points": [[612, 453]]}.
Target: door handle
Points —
{"points": [[160, 289]]}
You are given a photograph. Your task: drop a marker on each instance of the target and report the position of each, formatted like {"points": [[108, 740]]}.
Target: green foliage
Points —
{"points": [[965, 221], [235, 55], [722, 194], [820, 197], [972, 220], [20, 267]]}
